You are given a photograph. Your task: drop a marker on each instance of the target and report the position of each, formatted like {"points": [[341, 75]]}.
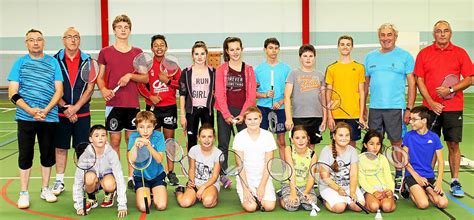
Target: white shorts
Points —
{"points": [[332, 197], [269, 190]]}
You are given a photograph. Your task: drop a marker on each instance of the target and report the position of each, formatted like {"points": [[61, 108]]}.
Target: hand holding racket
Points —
{"points": [[175, 153], [325, 175], [235, 171], [272, 116], [448, 82], [281, 171], [142, 63], [140, 158], [84, 158], [331, 101]]}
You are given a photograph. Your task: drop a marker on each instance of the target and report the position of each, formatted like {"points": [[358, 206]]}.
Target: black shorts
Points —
{"points": [[355, 134], [166, 116], [117, 118], [280, 122], [312, 127], [79, 131], [450, 123], [410, 181], [157, 181], [27, 133]]}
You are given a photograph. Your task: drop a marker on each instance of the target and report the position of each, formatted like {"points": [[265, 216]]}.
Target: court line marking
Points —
{"points": [[469, 209]]}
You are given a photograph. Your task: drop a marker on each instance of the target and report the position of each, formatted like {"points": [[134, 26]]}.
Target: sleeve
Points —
{"points": [[77, 188], [143, 90], [220, 92], [353, 155], [326, 156], [160, 143], [438, 145], [409, 63], [329, 76], [217, 155], [58, 75], [322, 79], [366, 64], [15, 71], [361, 74], [236, 144], [101, 58], [387, 173], [271, 146], [175, 80], [419, 70], [363, 181], [291, 77], [118, 174], [251, 90], [183, 90], [466, 64], [192, 153]]}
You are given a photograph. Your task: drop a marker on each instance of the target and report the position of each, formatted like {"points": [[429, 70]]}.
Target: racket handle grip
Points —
{"points": [[147, 209], [116, 88], [84, 205], [362, 207]]}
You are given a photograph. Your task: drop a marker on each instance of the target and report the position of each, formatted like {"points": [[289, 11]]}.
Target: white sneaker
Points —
{"points": [[58, 188], [47, 195], [24, 200]]}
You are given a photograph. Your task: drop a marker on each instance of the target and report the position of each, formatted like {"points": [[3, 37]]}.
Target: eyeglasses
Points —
{"points": [[415, 119], [32, 40], [439, 31], [69, 37]]}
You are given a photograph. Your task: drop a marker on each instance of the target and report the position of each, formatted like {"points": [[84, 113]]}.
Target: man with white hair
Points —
{"points": [[387, 71], [433, 64]]}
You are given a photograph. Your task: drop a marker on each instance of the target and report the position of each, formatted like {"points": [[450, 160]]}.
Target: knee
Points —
{"points": [[388, 207], [422, 204], [338, 208], [186, 202], [141, 207], [209, 202], [249, 207], [109, 186], [442, 203], [373, 206], [269, 206], [160, 206], [90, 178]]}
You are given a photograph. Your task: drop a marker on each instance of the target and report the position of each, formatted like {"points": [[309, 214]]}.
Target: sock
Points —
{"points": [[91, 196], [398, 173], [454, 179], [60, 177]]}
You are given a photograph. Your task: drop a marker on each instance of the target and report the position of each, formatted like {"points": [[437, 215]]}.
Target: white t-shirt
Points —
{"points": [[254, 153], [204, 165]]}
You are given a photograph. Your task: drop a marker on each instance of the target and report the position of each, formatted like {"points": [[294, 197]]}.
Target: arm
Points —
{"points": [[107, 94], [439, 179], [287, 102], [411, 96], [310, 181], [435, 106], [353, 180], [465, 83], [266, 175], [118, 174], [362, 104], [72, 109], [251, 91], [191, 172], [366, 94], [13, 87], [289, 160], [330, 120], [77, 190], [58, 86], [419, 179], [220, 93]]}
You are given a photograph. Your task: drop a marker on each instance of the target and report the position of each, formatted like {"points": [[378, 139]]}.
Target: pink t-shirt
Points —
{"points": [[117, 64], [200, 89]]}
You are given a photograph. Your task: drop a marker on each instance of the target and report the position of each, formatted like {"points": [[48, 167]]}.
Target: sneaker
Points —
{"points": [[58, 188], [456, 189], [91, 204], [173, 179], [108, 200], [180, 188], [398, 183], [226, 182], [24, 200], [47, 195], [131, 184], [279, 194]]}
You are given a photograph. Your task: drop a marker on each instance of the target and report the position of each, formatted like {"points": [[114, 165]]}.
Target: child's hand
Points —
{"points": [[122, 213], [190, 184], [199, 193], [354, 196], [80, 212], [260, 192], [293, 199], [341, 191], [437, 187], [388, 194], [379, 195], [421, 181]]}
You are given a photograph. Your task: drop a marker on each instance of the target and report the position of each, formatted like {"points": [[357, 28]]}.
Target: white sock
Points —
{"points": [[454, 179], [60, 177]]}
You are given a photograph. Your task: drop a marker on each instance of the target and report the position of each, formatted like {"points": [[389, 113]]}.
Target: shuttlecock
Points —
{"points": [[378, 216], [313, 212]]}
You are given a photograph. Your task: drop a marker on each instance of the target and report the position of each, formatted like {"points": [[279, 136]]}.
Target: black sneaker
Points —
{"points": [[174, 181], [179, 189], [131, 184], [398, 184]]}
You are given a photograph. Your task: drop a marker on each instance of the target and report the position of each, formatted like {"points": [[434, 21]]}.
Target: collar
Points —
{"points": [[450, 46]]}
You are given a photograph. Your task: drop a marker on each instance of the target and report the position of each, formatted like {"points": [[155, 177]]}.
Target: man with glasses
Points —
{"points": [[74, 113], [35, 87], [433, 64], [387, 71]]}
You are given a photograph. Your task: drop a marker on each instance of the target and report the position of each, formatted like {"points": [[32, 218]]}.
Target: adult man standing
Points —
{"points": [[387, 71], [35, 87], [74, 114], [433, 64]]}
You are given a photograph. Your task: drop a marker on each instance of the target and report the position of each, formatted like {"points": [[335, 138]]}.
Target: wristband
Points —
{"points": [[15, 98], [408, 109]]}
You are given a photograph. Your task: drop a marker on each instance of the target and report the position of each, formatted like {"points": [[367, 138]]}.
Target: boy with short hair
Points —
{"points": [[422, 144]]}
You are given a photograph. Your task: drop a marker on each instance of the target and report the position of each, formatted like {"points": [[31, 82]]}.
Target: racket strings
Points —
{"points": [[173, 151], [279, 169], [84, 156], [90, 71]]}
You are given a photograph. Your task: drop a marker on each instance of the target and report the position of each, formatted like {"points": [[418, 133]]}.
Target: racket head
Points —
{"points": [[330, 99], [322, 173], [272, 121], [169, 65], [143, 158], [174, 151], [370, 163], [232, 170], [185, 166], [279, 169], [90, 71], [450, 80], [142, 63], [84, 156], [396, 156]]}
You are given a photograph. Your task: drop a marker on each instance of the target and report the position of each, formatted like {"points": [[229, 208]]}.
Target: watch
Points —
{"points": [[451, 90]]}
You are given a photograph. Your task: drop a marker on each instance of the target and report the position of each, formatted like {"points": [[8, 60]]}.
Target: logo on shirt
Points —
{"points": [[429, 142], [159, 86], [308, 83]]}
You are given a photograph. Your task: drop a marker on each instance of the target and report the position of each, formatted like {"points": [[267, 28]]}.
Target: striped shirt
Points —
{"points": [[36, 78]]}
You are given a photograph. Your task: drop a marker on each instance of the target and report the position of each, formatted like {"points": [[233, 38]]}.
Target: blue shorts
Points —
{"points": [[280, 122], [79, 132], [157, 181], [355, 134]]}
